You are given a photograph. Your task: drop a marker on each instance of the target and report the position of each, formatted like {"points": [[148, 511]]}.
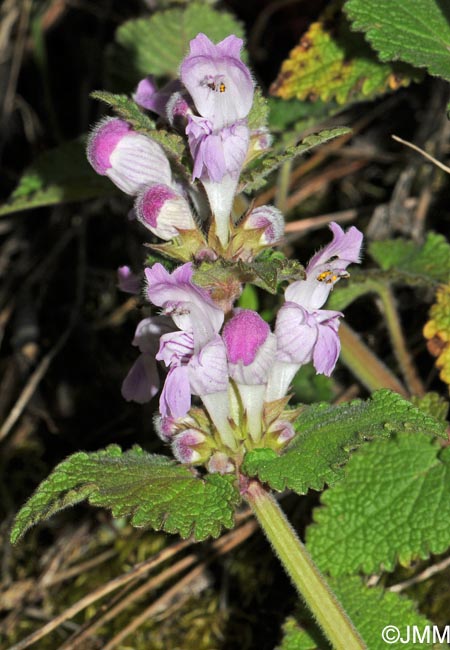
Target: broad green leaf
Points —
{"points": [[416, 31], [371, 609], [429, 261], [332, 63], [326, 435], [393, 504], [129, 111], [157, 44], [254, 177], [152, 490], [437, 331], [59, 175]]}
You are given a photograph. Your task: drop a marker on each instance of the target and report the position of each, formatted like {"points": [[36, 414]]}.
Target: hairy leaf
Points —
{"points": [[416, 31], [437, 331], [429, 261], [371, 609], [393, 503], [253, 177], [327, 434], [267, 271], [156, 45], [129, 111], [334, 63], [57, 176], [153, 490]]}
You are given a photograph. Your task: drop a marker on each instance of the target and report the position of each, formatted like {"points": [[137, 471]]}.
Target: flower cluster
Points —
{"points": [[227, 375], [239, 369], [209, 105]]}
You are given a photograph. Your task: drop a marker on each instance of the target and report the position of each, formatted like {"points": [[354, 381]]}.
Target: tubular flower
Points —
{"points": [[222, 90], [219, 83], [142, 381], [304, 331], [195, 355]]}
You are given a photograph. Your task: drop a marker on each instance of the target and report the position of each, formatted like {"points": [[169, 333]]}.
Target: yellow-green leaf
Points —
{"points": [[334, 63]]}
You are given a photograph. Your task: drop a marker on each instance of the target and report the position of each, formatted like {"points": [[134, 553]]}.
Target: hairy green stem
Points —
{"points": [[401, 352], [363, 363], [307, 578], [284, 178]]}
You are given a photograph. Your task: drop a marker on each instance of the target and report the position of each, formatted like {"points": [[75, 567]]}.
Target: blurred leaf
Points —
{"points": [[58, 176], [370, 609], [156, 45], [433, 404], [348, 291], [416, 31], [129, 111], [429, 261], [259, 114], [309, 387], [331, 62], [249, 298], [437, 331], [297, 115], [153, 490], [327, 434], [391, 505], [254, 176]]}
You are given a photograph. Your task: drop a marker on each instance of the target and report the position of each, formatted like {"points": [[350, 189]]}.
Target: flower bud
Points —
{"points": [[128, 281], [269, 220], [220, 463], [189, 447], [163, 211], [178, 109], [130, 160], [250, 346], [280, 433]]}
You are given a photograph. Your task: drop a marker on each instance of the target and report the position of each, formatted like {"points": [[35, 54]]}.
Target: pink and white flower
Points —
{"points": [[304, 331]]}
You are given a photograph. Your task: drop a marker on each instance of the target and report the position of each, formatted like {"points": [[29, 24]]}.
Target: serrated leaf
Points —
{"points": [[416, 31], [57, 176], [393, 503], [157, 44], [326, 435], [429, 261], [152, 490], [267, 271], [334, 63], [437, 331], [129, 111], [254, 177], [371, 609]]}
